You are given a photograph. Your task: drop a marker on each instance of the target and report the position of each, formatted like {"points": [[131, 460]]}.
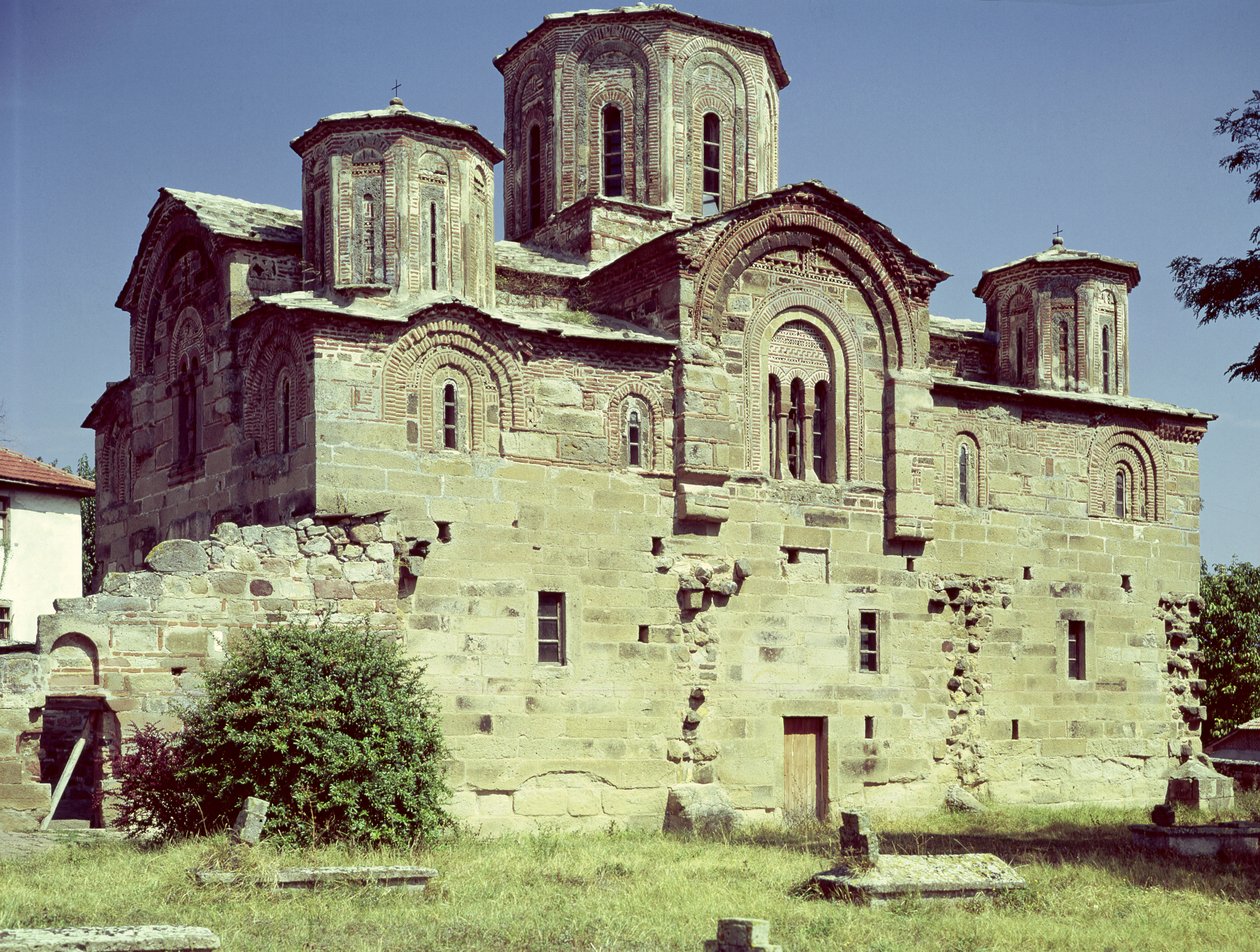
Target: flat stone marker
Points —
{"points": [[308, 877], [742, 935], [1235, 838], [930, 877], [110, 939], [249, 822]]}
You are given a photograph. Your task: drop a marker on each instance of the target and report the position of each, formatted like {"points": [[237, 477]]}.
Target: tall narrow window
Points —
{"points": [[1122, 493], [535, 177], [450, 417], [284, 411], [772, 437], [796, 424], [1106, 360], [1076, 651], [551, 627], [4, 520], [433, 246], [964, 474], [712, 164], [868, 641], [612, 152], [634, 438], [1019, 355], [1063, 357], [6, 621], [186, 411], [820, 430]]}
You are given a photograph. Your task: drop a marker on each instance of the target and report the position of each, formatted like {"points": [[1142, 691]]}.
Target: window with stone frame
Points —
{"points": [[551, 628], [1018, 320], [534, 176], [367, 231], [6, 621], [1106, 360], [711, 164], [4, 521], [801, 426], [448, 438], [868, 641], [612, 165], [1123, 499], [1076, 650], [285, 412], [187, 410], [1107, 309], [967, 482]]}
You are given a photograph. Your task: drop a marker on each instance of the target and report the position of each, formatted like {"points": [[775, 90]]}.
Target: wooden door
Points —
{"points": [[805, 768]]}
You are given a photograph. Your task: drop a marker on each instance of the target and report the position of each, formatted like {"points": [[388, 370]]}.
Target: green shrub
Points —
{"points": [[331, 725]]}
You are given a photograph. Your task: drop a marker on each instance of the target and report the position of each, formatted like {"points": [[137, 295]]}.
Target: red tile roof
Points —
{"points": [[19, 470]]}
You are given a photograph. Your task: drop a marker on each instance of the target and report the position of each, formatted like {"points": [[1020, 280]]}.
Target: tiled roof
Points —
{"points": [[241, 219], [19, 470]]}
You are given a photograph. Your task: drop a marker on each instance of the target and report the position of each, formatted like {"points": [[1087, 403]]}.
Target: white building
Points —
{"points": [[40, 541]]}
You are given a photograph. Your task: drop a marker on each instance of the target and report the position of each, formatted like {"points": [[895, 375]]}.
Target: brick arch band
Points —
{"points": [[800, 226], [1113, 445], [840, 331], [432, 344], [271, 352]]}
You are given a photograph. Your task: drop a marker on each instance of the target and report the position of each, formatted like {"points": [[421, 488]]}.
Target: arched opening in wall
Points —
{"points": [[534, 175], [711, 163], [433, 246], [367, 218], [1106, 360], [284, 412], [966, 466], [74, 663], [613, 183], [449, 438], [822, 430], [1062, 356], [634, 438], [1019, 355], [773, 408], [187, 410], [803, 428], [1123, 504]]}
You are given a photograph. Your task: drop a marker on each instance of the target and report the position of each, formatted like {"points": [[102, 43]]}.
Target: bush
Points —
{"points": [[1229, 637], [331, 725]]}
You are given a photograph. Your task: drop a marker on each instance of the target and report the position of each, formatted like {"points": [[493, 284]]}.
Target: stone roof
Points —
{"points": [[397, 112], [1083, 400], [758, 37], [237, 218], [19, 470], [583, 324], [519, 257], [955, 325], [1058, 253]]}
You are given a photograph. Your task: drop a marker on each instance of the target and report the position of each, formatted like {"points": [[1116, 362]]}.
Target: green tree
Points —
{"points": [[331, 725], [87, 509], [1230, 287], [1228, 630]]}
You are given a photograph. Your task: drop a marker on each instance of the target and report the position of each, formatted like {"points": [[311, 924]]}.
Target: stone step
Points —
{"points": [[110, 939], [308, 877]]}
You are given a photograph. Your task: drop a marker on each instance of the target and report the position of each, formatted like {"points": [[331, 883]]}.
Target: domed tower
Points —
{"points": [[642, 105], [1062, 320], [398, 202]]}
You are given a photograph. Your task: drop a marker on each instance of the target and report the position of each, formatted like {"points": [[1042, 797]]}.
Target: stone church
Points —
{"points": [[681, 483]]}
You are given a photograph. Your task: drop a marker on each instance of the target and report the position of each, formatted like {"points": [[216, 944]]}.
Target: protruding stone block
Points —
{"points": [[742, 935], [699, 808], [249, 823], [177, 557]]}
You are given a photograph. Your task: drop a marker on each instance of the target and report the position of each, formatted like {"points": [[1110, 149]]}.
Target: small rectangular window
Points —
{"points": [[6, 621], [868, 641], [4, 519], [1076, 651], [551, 627]]}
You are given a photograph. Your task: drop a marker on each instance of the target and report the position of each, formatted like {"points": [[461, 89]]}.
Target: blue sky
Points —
{"points": [[972, 128]]}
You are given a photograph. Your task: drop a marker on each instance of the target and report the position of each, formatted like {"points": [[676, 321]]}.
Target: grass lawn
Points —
{"points": [[1087, 890]]}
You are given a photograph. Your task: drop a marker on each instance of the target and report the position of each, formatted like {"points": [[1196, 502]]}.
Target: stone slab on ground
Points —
{"points": [[1234, 838], [308, 877], [952, 876], [109, 939]]}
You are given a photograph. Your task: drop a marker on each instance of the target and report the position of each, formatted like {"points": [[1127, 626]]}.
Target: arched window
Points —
{"points": [[1106, 360], [284, 414], [795, 447], [821, 430], [634, 438], [450, 416], [187, 422], [965, 467], [367, 258], [1124, 482], [1063, 357], [711, 200], [772, 412], [433, 246], [535, 176], [1019, 355], [612, 152]]}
